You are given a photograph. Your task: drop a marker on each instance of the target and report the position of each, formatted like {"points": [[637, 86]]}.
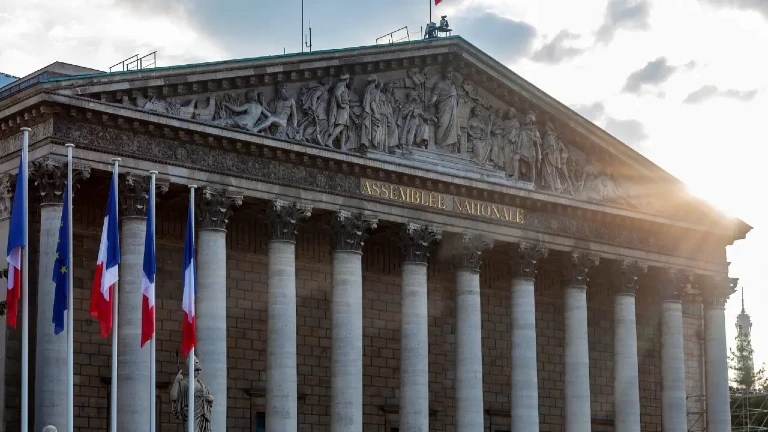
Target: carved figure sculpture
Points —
{"points": [[313, 99], [511, 133], [49, 428], [554, 168], [285, 112], [203, 400], [496, 143], [371, 130], [528, 151], [252, 111], [445, 97], [339, 113], [477, 137], [413, 123], [388, 107], [598, 186]]}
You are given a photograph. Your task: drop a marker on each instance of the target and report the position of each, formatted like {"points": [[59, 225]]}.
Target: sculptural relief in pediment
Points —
{"points": [[427, 113]]}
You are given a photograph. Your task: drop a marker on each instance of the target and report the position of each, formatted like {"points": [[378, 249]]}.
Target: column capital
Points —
{"points": [[675, 283], [284, 217], [134, 194], [416, 241], [625, 273], [49, 176], [215, 206], [576, 266], [350, 230], [6, 196], [469, 256], [524, 258], [715, 290]]}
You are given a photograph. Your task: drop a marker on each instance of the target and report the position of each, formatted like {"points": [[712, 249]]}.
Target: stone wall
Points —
{"points": [[247, 293]]}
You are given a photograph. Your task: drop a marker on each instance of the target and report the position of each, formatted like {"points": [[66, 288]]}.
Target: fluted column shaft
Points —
{"points": [[674, 416], [6, 194], [524, 395], [469, 348], [282, 409], [716, 292], [347, 320], [414, 325], [576, 354]]}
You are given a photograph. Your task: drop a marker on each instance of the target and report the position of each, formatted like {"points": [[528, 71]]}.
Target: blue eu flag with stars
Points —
{"points": [[61, 270]]}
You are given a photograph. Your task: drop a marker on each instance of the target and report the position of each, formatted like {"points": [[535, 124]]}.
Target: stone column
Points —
{"points": [[578, 417], [716, 291], [6, 196], [674, 413], [349, 231], [524, 395], [133, 362], [626, 375], [214, 207], [469, 349], [283, 219], [416, 242], [48, 177]]}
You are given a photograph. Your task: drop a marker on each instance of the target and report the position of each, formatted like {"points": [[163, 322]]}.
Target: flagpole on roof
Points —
{"points": [[152, 370], [70, 299], [191, 355], [24, 177], [113, 388]]}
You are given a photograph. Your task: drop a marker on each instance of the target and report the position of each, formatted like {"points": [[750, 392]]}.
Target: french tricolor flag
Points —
{"points": [[107, 265], [188, 333], [148, 280], [15, 246]]}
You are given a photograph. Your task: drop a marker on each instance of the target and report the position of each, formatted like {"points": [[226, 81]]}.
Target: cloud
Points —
{"points": [[502, 38], [624, 14], [629, 131], [652, 74], [558, 49], [760, 6], [708, 92]]}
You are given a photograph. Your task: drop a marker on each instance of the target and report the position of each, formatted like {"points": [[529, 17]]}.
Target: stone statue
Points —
{"points": [[371, 129], [477, 136], [49, 428], [285, 111], [413, 123], [497, 144], [598, 186], [528, 149], [388, 108], [203, 401], [554, 168], [511, 133], [339, 113], [445, 97], [313, 99], [250, 112]]}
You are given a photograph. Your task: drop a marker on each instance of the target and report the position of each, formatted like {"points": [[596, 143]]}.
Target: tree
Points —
{"points": [[749, 387]]}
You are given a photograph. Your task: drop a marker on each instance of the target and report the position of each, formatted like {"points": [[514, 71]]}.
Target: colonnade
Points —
{"points": [[350, 230]]}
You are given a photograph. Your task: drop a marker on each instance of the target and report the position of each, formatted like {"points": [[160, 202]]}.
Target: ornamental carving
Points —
{"points": [[134, 194], [6, 196], [350, 230], [215, 206], [416, 242], [284, 218], [715, 290], [469, 256], [675, 283], [49, 176], [524, 259], [575, 267], [14, 142], [625, 275]]}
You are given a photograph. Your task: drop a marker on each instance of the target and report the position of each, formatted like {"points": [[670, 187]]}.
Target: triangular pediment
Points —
{"points": [[440, 105]]}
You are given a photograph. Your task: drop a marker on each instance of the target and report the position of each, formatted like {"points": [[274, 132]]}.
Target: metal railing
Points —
{"points": [[391, 36], [135, 62]]}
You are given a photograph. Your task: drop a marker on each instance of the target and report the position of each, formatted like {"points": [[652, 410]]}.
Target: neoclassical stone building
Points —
{"points": [[397, 237]]}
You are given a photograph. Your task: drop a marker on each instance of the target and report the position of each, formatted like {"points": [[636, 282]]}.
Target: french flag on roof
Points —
{"points": [[188, 333], [148, 280], [15, 246], [106, 266]]}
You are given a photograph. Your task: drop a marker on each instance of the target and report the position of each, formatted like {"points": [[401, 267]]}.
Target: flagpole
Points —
{"points": [[152, 370], [24, 177], [70, 300], [191, 356], [113, 408]]}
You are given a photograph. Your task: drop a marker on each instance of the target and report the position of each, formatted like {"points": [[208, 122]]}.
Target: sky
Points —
{"points": [[682, 82]]}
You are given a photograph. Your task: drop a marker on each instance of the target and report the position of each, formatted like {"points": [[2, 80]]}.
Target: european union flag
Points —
{"points": [[61, 269]]}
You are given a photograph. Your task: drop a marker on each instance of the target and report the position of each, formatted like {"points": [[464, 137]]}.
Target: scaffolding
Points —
{"points": [[749, 412]]}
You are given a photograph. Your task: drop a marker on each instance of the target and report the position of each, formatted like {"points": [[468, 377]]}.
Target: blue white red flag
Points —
{"points": [[188, 333], [61, 269], [106, 266], [148, 280], [15, 245]]}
